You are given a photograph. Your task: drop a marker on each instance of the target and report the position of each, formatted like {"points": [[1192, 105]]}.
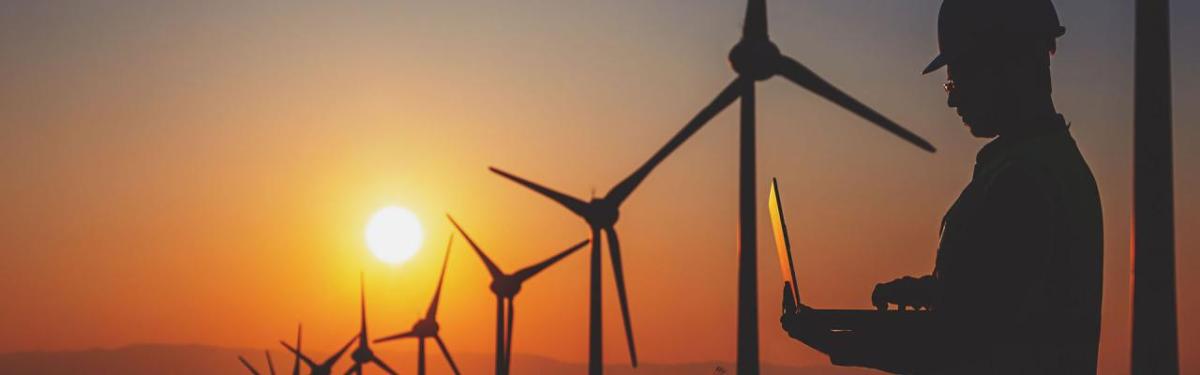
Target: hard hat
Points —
{"points": [[966, 25]]}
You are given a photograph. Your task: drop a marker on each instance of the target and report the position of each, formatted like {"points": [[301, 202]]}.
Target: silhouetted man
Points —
{"points": [[1017, 284]]}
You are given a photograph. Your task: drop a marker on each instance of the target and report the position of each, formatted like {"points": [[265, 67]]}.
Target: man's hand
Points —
{"points": [[790, 320], [906, 292], [798, 327], [835, 344], [801, 329]]}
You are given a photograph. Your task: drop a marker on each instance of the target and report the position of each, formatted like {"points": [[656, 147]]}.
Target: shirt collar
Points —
{"points": [[1050, 125]]}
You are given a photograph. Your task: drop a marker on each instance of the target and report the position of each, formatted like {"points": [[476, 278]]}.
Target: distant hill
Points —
{"points": [[209, 360]]}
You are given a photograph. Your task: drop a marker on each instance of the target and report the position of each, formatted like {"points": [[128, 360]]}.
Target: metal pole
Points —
{"points": [[501, 351], [1155, 337], [747, 351], [421, 356], [595, 319]]}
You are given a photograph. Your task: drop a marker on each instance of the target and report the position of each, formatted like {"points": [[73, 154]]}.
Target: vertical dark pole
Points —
{"points": [[1155, 340], [508, 332], [500, 351], [421, 356], [595, 324], [747, 351]]}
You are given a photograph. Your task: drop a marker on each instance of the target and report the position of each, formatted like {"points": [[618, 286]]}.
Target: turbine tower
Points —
{"points": [[1155, 333], [506, 286], [325, 367], [754, 58], [428, 327], [363, 354]]}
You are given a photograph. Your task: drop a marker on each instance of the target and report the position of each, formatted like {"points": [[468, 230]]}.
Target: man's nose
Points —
{"points": [[952, 99]]}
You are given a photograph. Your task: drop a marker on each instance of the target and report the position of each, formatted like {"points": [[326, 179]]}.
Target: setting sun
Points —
{"points": [[394, 234]]}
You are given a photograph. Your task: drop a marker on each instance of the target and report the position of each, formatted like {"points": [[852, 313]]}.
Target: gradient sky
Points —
{"points": [[201, 172]]}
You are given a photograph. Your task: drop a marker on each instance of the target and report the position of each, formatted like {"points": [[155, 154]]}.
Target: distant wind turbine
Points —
{"points": [[601, 214], [270, 365], [428, 327], [506, 286], [323, 368], [363, 354]]}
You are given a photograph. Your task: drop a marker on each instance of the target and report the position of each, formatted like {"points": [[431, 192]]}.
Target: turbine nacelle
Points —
{"points": [[425, 328], [506, 286], [602, 213], [362, 354], [755, 58]]}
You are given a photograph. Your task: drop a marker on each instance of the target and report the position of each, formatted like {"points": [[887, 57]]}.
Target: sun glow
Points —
{"points": [[394, 234]]}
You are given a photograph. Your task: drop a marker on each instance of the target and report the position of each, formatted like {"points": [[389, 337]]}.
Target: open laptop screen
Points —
{"points": [[783, 246]]}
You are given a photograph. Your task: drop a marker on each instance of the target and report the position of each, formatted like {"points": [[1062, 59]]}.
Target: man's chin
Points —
{"points": [[980, 130]]}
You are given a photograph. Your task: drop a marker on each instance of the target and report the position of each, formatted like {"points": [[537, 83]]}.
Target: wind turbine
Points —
{"points": [[601, 214], [428, 327], [323, 368], [270, 365], [363, 354], [754, 58], [506, 286]]}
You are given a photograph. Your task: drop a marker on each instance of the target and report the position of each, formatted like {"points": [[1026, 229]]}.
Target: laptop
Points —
{"points": [[836, 320]]}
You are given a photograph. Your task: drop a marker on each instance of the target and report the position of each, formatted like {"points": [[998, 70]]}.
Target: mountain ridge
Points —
{"points": [[201, 359]]}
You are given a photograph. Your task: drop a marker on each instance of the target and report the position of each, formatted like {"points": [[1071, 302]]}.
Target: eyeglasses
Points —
{"points": [[948, 86]]}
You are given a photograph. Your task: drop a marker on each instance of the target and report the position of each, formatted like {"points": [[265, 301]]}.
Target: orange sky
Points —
{"points": [[202, 173]]}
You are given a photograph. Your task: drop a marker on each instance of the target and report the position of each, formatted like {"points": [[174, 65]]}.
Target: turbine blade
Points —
{"points": [[804, 77], [394, 337], [296, 363], [353, 369], [362, 300], [491, 266], [307, 361], [530, 271], [755, 25], [384, 366], [248, 366], [508, 344], [336, 356], [446, 352], [270, 363], [437, 295], [623, 189], [576, 205], [614, 249]]}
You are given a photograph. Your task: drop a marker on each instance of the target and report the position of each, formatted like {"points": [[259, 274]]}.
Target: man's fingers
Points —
{"points": [[878, 298]]}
